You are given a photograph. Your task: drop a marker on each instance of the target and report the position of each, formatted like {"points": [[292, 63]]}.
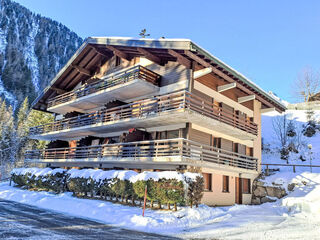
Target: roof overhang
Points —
{"points": [[96, 50]]}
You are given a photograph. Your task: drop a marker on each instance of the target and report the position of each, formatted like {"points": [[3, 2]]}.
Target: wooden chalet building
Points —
{"points": [[155, 104]]}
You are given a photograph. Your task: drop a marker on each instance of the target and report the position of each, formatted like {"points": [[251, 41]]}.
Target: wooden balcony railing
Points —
{"points": [[170, 102], [189, 151], [136, 72]]}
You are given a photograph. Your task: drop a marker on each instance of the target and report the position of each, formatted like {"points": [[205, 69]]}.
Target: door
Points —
{"points": [[238, 190]]}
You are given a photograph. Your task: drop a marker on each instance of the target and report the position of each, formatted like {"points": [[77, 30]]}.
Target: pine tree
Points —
{"points": [[7, 140], [311, 127], [22, 130], [36, 118], [291, 130]]}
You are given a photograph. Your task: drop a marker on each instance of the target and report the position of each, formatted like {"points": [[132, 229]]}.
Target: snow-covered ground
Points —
{"points": [[296, 216]]}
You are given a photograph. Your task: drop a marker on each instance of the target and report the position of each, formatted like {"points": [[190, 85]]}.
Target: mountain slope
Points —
{"points": [[32, 49]]}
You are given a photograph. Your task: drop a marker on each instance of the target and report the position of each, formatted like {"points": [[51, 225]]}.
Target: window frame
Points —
{"points": [[209, 183], [249, 185], [226, 179]]}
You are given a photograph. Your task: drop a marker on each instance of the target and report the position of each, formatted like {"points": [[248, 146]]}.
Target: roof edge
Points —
{"points": [[195, 47]]}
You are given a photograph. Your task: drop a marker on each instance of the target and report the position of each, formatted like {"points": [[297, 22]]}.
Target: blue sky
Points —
{"points": [[268, 41]]}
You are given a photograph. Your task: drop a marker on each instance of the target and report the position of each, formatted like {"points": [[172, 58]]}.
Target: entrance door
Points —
{"points": [[238, 190]]}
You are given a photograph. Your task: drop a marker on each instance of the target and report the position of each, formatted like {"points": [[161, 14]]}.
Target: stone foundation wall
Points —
{"points": [[262, 194]]}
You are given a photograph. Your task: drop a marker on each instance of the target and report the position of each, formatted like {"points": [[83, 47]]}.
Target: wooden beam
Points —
{"points": [[266, 110], [58, 90], [82, 70], [181, 59], [246, 98], [150, 56], [202, 72], [119, 53], [226, 87], [98, 51], [226, 77]]}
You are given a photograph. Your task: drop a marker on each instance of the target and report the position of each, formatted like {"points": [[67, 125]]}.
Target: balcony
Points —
{"points": [[169, 152], [180, 107], [123, 85]]}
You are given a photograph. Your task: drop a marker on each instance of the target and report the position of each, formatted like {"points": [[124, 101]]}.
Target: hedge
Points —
{"points": [[167, 187]]}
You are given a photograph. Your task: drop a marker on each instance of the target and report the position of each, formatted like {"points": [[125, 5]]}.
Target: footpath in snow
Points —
{"points": [[297, 216]]}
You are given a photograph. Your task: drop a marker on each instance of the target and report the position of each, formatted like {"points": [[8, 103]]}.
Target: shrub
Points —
{"points": [[163, 187], [139, 188], [195, 190], [20, 180], [124, 189], [172, 192], [79, 185]]}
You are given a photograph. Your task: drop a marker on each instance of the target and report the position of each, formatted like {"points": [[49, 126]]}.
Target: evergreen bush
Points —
{"points": [[162, 191]]}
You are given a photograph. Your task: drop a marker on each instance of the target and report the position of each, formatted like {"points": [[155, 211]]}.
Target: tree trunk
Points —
{"points": [[175, 206], [168, 206], [151, 204], [159, 204]]}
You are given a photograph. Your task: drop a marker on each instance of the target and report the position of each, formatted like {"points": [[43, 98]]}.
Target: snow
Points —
{"points": [[114, 214], [144, 176], [37, 172], [299, 118], [98, 174], [30, 55], [293, 217]]}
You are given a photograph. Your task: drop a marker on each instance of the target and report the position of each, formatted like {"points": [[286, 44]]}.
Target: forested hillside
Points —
{"points": [[32, 49]]}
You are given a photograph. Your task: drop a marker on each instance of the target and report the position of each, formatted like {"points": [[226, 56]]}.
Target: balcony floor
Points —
{"points": [[150, 120], [163, 163], [124, 92]]}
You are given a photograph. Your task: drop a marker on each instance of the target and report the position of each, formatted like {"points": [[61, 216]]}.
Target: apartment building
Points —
{"points": [[155, 104]]}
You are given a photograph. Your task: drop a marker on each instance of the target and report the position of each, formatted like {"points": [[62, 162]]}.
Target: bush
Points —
{"points": [[162, 188], [172, 192], [309, 129], [81, 186], [124, 189], [284, 153], [50, 180], [195, 190], [20, 180]]}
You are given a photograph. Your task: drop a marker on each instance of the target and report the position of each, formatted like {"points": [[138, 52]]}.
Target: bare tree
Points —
{"points": [[307, 85], [280, 128]]}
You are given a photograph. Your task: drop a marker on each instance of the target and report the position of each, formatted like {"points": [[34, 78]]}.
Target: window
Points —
{"points": [[225, 183], [217, 142], [173, 134], [236, 147], [207, 177], [246, 185], [249, 151]]}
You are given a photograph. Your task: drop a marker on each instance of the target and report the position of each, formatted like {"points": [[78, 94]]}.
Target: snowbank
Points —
{"points": [[114, 214], [294, 217]]}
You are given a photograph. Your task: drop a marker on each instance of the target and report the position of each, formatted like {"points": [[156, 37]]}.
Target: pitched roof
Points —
{"points": [[95, 50]]}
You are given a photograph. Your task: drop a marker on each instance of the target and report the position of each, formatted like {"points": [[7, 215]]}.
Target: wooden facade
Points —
{"points": [[154, 104]]}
